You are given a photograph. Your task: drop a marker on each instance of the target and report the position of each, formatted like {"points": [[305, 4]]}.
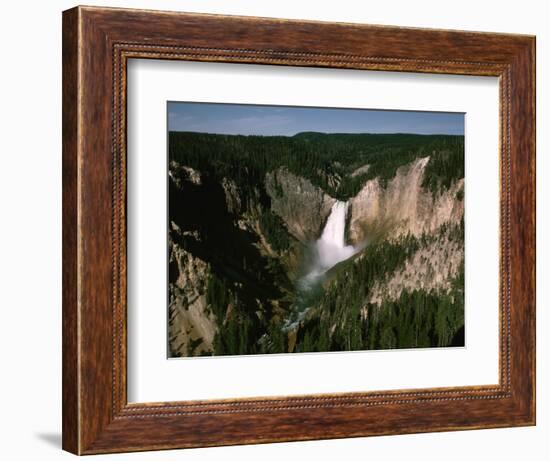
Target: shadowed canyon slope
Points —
{"points": [[301, 205]]}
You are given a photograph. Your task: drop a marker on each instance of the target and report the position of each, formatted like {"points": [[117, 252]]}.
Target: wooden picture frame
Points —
{"points": [[97, 43]]}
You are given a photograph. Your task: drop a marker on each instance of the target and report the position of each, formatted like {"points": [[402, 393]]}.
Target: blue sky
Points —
{"points": [[287, 121]]}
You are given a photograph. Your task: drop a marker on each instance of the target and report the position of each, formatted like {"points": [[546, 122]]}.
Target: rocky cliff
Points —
{"points": [[432, 267], [191, 325], [302, 206], [403, 206]]}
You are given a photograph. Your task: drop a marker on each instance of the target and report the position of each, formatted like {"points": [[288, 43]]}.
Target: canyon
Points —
{"points": [[265, 262]]}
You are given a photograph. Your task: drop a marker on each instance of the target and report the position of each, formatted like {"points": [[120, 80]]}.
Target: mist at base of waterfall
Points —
{"points": [[327, 251], [331, 249], [325, 256]]}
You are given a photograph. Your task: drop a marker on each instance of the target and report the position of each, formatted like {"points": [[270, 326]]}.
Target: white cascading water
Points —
{"points": [[331, 247]]}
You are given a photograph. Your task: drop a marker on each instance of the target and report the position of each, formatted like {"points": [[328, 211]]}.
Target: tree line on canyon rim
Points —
{"points": [[222, 220]]}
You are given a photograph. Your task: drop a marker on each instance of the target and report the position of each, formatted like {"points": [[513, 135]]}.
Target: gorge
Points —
{"points": [[314, 243]]}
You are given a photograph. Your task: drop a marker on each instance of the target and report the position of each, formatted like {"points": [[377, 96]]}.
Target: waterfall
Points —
{"points": [[330, 248]]}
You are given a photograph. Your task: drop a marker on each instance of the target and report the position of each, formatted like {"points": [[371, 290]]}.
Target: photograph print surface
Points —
{"points": [[300, 229]]}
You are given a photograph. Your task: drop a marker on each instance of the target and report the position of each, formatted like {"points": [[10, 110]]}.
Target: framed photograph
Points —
{"points": [[282, 230]]}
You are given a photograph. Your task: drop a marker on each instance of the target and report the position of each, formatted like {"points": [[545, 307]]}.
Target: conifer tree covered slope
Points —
{"points": [[245, 212]]}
